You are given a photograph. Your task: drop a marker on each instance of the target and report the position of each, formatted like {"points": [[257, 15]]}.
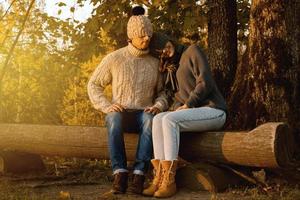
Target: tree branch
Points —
{"points": [[7, 10], [5, 66]]}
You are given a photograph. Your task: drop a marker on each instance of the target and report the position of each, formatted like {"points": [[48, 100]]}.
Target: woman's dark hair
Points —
{"points": [[176, 57]]}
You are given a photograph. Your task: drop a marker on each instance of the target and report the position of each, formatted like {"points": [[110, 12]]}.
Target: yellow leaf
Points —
{"points": [[64, 195]]}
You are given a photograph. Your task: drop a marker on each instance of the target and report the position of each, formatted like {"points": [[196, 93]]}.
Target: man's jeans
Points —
{"points": [[129, 121]]}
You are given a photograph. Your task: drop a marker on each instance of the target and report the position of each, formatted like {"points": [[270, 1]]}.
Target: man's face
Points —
{"points": [[141, 42]]}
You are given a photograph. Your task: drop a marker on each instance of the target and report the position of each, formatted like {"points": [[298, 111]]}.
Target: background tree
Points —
{"points": [[5, 65], [76, 107], [222, 42], [36, 76], [107, 16], [183, 20], [292, 15], [264, 87]]}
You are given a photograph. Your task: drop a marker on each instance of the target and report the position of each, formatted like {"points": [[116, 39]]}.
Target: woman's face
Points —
{"points": [[169, 49]]}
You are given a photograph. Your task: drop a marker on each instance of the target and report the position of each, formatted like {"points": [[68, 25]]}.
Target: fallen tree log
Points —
{"points": [[269, 145], [205, 176], [19, 162]]}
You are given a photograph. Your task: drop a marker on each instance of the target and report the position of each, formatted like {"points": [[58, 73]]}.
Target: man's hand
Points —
{"points": [[116, 108], [153, 110], [182, 107]]}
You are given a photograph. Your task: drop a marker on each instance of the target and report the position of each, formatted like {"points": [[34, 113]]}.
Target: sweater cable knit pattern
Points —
{"points": [[135, 78]]}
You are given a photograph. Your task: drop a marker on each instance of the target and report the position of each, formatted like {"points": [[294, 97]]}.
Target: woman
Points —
{"points": [[168, 67], [199, 106]]}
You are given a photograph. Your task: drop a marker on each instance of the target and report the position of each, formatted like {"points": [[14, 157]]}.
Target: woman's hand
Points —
{"points": [[182, 107], [153, 110]]}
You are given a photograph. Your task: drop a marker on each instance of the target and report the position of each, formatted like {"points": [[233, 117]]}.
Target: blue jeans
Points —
{"points": [[129, 121]]}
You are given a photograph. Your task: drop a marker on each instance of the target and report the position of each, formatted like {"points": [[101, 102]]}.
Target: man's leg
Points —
{"points": [[144, 148], [117, 151], [144, 151]]}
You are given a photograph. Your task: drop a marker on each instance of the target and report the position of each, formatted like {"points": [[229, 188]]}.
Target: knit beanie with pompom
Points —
{"points": [[139, 25]]}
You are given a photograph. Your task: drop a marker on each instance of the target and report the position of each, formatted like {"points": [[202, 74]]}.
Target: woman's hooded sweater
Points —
{"points": [[197, 87]]}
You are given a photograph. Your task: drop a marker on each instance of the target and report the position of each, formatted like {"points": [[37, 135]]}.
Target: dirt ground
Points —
{"points": [[91, 180], [37, 190]]}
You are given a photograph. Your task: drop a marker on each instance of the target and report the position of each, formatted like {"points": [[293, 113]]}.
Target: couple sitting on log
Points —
{"points": [[142, 88]]}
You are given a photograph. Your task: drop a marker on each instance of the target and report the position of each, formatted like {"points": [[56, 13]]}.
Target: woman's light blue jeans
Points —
{"points": [[168, 125]]}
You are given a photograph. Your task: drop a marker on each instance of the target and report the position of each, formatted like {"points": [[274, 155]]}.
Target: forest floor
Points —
{"points": [[81, 179]]}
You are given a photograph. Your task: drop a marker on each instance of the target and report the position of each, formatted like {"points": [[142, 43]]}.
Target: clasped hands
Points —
{"points": [[119, 108]]}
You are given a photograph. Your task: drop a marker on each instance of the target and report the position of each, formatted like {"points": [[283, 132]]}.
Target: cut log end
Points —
{"points": [[284, 146], [16, 162], [205, 176]]}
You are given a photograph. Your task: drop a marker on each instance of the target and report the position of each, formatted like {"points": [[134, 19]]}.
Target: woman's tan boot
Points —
{"points": [[157, 171], [168, 186]]}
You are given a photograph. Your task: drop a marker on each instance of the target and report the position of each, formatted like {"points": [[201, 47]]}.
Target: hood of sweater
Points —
{"points": [[135, 51], [158, 42]]}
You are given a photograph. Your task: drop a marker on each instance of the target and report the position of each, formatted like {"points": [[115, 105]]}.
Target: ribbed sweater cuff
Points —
{"points": [[103, 108], [159, 105]]}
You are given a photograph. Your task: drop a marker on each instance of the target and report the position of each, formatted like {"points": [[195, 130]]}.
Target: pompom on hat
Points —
{"points": [[139, 25]]}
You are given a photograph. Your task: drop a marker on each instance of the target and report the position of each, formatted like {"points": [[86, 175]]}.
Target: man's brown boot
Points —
{"points": [[137, 185], [168, 186], [157, 172], [120, 183]]}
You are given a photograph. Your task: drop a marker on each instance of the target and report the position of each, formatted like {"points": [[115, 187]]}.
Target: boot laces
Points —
{"points": [[167, 174], [157, 174]]}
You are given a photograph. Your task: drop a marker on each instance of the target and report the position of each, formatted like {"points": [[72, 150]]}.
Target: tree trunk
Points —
{"points": [[222, 42], [293, 39], [263, 89], [269, 145]]}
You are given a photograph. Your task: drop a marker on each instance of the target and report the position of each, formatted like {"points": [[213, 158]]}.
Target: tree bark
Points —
{"points": [[269, 145], [293, 40], [222, 42], [264, 89]]}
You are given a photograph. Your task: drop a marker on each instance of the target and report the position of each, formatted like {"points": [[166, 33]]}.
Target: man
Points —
{"points": [[136, 93]]}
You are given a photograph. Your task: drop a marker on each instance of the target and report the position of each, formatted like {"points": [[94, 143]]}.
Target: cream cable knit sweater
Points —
{"points": [[136, 81]]}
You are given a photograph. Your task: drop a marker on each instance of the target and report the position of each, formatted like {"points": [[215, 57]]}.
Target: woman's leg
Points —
{"points": [[192, 120], [158, 148], [157, 136]]}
